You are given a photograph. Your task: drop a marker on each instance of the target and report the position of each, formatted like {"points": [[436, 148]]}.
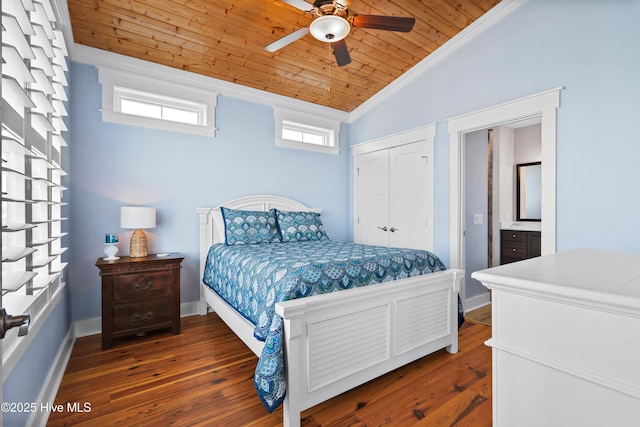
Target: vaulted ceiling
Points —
{"points": [[225, 39]]}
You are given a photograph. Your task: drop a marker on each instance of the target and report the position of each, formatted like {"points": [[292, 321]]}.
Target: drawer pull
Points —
{"points": [[148, 316], [513, 250], [513, 235], [149, 285]]}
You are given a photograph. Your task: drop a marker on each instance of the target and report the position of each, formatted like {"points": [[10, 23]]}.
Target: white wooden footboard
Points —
{"points": [[337, 341], [333, 345]]}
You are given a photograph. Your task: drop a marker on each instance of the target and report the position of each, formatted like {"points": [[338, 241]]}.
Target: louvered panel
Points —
{"points": [[39, 16], [59, 44], [364, 341], [40, 39], [42, 82], [15, 9], [431, 310], [60, 75], [42, 62], [48, 9], [12, 35], [14, 66], [59, 58], [59, 92], [60, 109]]}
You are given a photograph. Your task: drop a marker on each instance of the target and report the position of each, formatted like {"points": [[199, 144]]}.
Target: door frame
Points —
{"points": [[542, 105]]}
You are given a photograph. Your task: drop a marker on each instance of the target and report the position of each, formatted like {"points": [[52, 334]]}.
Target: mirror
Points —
{"points": [[529, 191]]}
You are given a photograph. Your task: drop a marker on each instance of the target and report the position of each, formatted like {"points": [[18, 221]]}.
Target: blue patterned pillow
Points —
{"points": [[300, 226], [247, 227]]}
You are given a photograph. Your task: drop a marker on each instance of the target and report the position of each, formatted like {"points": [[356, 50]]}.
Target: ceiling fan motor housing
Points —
{"points": [[330, 28]]}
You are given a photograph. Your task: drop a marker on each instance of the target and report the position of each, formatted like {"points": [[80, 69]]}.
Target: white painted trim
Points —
{"points": [[63, 21], [91, 56], [426, 132], [86, 327], [96, 57], [13, 352], [486, 21], [541, 105], [52, 383], [476, 302], [111, 78], [329, 125]]}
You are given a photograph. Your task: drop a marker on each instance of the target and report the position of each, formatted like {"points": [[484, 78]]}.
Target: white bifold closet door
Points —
{"points": [[395, 197]]}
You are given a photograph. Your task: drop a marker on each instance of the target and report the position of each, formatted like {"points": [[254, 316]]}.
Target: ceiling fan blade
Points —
{"points": [[390, 23], [299, 4], [286, 40], [341, 52]]}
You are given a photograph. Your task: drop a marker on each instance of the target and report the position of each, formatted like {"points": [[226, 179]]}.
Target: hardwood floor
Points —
{"points": [[203, 377], [482, 315]]}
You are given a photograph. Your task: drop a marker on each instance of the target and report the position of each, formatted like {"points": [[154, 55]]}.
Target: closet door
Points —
{"points": [[393, 190], [373, 198], [410, 197]]}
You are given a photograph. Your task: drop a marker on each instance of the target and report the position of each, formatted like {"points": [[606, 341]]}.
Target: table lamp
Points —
{"points": [[138, 218]]}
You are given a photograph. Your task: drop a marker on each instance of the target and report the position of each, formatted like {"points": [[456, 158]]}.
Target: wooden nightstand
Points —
{"points": [[139, 295]]}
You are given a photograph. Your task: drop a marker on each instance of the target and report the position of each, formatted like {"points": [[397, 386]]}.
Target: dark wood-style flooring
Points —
{"points": [[204, 377]]}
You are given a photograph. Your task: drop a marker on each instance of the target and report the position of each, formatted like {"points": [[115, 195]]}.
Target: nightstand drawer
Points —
{"points": [[141, 285], [137, 315]]}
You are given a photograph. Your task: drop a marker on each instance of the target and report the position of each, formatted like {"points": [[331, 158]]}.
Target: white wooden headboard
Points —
{"points": [[212, 227]]}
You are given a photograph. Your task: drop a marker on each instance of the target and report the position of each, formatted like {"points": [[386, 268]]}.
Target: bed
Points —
{"points": [[336, 341]]}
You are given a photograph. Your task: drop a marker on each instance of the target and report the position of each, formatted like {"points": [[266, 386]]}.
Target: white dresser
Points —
{"points": [[566, 340]]}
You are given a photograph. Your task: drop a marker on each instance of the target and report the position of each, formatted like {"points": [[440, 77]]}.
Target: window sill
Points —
{"points": [[286, 143], [131, 120]]}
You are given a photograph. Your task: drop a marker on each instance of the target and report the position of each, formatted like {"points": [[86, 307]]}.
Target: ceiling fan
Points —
{"points": [[333, 23]]}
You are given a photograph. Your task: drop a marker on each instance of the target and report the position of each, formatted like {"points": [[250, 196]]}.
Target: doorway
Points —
{"points": [[490, 157], [541, 107]]}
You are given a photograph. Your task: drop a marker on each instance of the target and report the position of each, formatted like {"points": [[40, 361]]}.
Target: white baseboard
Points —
{"points": [[476, 302], [54, 378]]}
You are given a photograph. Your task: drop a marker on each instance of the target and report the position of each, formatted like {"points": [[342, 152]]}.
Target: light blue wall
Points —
{"points": [[116, 165], [590, 48], [28, 377], [476, 151]]}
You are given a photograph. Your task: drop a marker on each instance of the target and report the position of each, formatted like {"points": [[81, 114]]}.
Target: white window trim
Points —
{"points": [[112, 79], [330, 126]]}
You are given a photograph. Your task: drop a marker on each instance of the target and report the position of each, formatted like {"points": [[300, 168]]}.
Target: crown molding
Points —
{"points": [[480, 25], [92, 56], [96, 57]]}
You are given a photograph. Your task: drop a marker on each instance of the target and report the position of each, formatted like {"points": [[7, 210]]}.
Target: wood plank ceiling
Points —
{"points": [[225, 39]]}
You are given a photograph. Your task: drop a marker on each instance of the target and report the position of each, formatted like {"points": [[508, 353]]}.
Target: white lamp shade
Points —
{"points": [[137, 217], [329, 28]]}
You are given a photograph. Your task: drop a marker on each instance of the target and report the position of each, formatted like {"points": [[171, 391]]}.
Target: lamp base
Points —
{"points": [[138, 246]]}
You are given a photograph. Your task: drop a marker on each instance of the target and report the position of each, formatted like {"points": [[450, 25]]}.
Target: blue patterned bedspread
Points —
{"points": [[253, 278]]}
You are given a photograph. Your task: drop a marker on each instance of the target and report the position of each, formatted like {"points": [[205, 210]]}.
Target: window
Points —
{"points": [[306, 132], [160, 107], [32, 125], [135, 100]]}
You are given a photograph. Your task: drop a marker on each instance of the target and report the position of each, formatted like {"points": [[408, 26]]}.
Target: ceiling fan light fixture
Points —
{"points": [[329, 28]]}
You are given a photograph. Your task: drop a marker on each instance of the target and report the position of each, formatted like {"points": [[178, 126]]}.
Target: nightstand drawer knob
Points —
{"points": [[149, 284], [148, 316]]}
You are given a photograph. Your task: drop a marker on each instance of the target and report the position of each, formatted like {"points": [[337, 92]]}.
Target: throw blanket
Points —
{"points": [[253, 278]]}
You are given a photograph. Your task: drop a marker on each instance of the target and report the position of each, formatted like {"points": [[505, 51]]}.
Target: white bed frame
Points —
{"points": [[381, 327]]}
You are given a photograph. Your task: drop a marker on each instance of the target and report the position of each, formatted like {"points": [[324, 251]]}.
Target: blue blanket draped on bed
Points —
{"points": [[253, 278]]}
